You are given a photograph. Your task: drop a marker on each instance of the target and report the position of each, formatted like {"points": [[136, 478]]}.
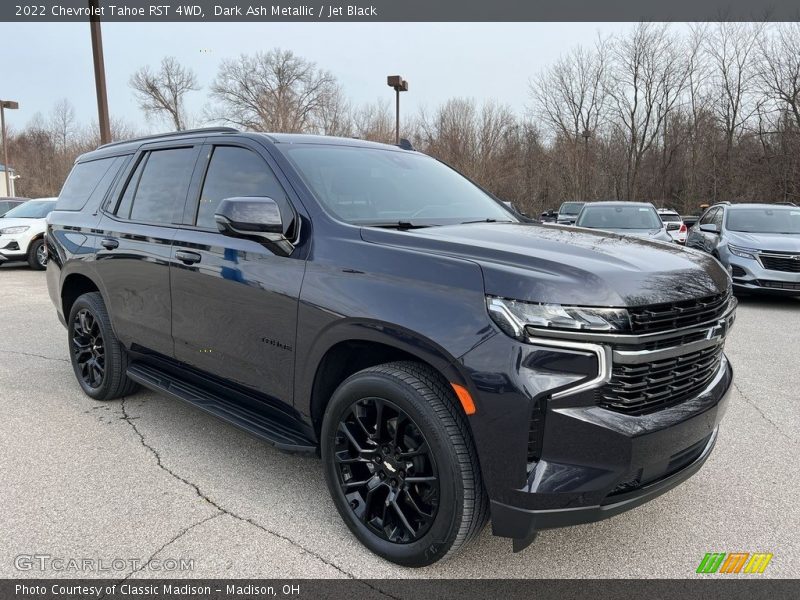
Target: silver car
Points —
{"points": [[759, 243], [638, 219]]}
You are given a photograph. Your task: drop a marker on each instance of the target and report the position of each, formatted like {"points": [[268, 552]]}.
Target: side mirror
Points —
{"points": [[256, 218], [709, 228]]}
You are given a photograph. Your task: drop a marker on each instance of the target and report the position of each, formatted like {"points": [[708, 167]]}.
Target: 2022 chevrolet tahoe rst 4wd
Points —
{"points": [[448, 362]]}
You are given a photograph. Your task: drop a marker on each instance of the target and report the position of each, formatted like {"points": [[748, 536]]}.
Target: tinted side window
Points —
{"points": [[234, 171], [124, 209], [161, 191], [87, 179], [708, 217]]}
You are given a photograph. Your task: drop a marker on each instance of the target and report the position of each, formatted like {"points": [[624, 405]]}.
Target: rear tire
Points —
{"points": [[401, 465], [37, 259], [98, 359]]}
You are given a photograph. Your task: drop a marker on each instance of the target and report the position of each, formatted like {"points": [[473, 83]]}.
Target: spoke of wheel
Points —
{"points": [[346, 431], [422, 449], [359, 421], [403, 519], [378, 418], [415, 506], [401, 420], [425, 479]]}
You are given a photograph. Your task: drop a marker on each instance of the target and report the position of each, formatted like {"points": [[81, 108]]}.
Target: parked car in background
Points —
{"points": [[638, 219], [689, 221], [548, 216], [568, 212], [758, 243], [362, 302], [22, 232], [6, 204], [674, 224]]}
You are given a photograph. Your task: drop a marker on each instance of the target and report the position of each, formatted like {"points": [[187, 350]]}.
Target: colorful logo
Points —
{"points": [[734, 562]]}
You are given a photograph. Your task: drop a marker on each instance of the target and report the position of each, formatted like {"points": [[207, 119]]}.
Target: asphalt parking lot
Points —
{"points": [[148, 478]]}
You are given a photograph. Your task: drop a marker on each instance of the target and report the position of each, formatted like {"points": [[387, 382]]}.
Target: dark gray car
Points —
{"points": [[638, 219]]}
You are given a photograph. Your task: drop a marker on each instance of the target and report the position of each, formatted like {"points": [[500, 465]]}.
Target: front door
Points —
{"points": [[234, 300]]}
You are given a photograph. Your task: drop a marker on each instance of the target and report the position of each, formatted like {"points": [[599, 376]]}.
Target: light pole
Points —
{"points": [[586, 135], [400, 85], [11, 105], [99, 72]]}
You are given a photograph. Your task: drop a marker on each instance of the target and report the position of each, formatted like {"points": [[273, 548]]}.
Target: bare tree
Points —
{"points": [[570, 99], [162, 93], [63, 123], [779, 68], [273, 91], [648, 78], [374, 122]]}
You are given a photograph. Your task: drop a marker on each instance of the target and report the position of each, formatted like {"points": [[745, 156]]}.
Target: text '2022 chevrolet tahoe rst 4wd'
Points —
{"points": [[450, 363]]}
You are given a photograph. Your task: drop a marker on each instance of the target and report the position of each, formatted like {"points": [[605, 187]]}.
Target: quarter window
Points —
{"points": [[709, 216], [232, 172]]}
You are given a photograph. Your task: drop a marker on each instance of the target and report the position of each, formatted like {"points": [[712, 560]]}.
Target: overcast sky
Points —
{"points": [[45, 62]]}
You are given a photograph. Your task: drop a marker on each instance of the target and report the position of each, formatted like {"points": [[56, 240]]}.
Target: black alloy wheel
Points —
{"points": [[386, 470], [401, 465], [99, 360], [88, 348]]}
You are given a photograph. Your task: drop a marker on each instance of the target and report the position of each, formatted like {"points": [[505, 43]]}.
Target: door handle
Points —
{"points": [[109, 243], [187, 258]]}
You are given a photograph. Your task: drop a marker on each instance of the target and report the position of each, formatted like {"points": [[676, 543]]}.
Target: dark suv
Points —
{"points": [[449, 363]]}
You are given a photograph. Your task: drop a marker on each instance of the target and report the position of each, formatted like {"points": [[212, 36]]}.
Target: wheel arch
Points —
{"points": [[354, 346], [74, 286]]}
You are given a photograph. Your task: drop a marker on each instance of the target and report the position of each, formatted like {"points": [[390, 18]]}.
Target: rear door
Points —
{"points": [[234, 300], [135, 242]]}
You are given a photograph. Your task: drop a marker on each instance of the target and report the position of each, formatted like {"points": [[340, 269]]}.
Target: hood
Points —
{"points": [[538, 263], [16, 222], [778, 242]]}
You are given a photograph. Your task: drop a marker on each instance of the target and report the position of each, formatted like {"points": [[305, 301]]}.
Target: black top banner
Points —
{"points": [[401, 10]]}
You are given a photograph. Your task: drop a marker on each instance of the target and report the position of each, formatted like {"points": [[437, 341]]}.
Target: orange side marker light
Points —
{"points": [[465, 398]]}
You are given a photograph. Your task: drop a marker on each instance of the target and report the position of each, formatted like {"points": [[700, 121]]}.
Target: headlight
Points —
{"points": [[743, 252], [512, 316], [12, 230]]}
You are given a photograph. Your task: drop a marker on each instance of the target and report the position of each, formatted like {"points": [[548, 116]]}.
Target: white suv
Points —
{"points": [[674, 224], [22, 232]]}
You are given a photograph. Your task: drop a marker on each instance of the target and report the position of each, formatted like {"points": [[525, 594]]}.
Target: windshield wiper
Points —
{"points": [[487, 221], [402, 225]]}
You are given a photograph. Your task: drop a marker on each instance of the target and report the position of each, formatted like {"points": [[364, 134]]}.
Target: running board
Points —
{"points": [[276, 431]]}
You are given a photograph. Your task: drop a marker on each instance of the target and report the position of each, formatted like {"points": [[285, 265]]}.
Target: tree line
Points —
{"points": [[676, 116]]}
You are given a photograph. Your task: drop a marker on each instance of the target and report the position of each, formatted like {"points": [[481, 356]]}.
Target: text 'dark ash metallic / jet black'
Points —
{"points": [[451, 362]]}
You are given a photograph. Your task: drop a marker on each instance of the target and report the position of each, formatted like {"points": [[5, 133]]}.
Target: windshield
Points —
{"points": [[619, 217], [570, 208], [370, 186], [764, 220], [31, 210]]}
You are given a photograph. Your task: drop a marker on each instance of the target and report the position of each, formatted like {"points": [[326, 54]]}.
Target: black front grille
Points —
{"points": [[641, 388], [536, 432], [789, 263], [738, 271], [779, 285], [673, 315]]}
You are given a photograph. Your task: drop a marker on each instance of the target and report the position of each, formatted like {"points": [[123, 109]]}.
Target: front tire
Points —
{"points": [[37, 256], [401, 465], [98, 359]]}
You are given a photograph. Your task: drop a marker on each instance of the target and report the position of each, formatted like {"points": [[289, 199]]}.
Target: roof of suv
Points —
{"points": [[617, 203], [128, 146]]}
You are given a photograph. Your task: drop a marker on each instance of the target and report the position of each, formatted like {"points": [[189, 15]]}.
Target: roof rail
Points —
{"points": [[721, 202], [173, 134]]}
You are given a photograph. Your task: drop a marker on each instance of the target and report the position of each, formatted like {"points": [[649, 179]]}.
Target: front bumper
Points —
{"points": [[589, 462], [13, 247], [750, 276]]}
